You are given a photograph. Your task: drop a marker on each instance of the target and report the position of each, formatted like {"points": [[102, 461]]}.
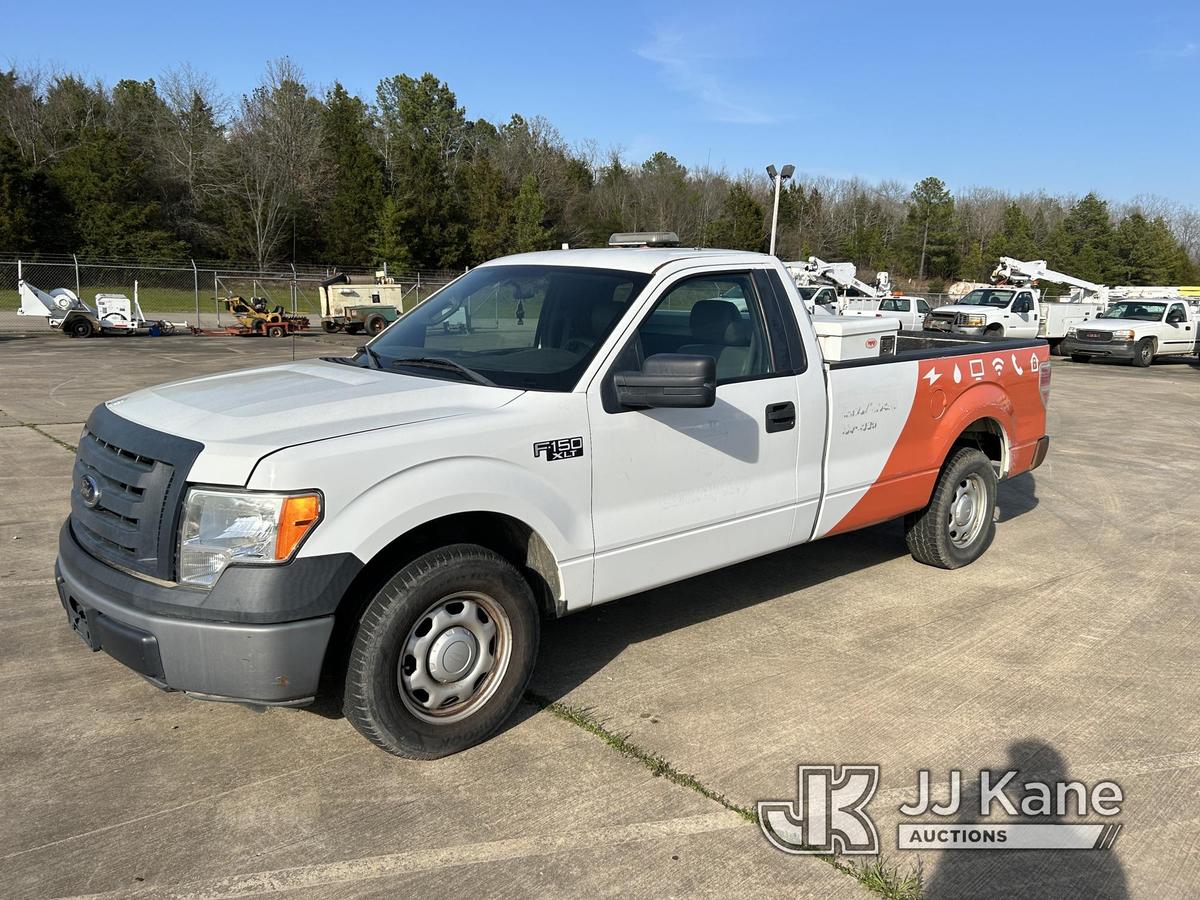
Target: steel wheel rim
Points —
{"points": [[454, 657], [968, 511]]}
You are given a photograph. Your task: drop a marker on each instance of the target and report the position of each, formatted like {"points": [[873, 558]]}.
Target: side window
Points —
{"points": [[1177, 312], [711, 315], [1024, 303], [923, 306]]}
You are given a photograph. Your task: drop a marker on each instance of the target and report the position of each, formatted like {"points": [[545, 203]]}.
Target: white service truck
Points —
{"points": [[396, 524], [1137, 330]]}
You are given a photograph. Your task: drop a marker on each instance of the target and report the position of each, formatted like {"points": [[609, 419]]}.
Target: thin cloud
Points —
{"points": [[692, 68]]}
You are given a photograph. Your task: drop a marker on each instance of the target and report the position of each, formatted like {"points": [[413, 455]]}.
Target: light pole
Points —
{"points": [[778, 177]]}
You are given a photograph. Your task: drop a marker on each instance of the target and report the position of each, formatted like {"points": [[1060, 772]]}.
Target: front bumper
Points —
{"points": [[274, 663], [1113, 349]]}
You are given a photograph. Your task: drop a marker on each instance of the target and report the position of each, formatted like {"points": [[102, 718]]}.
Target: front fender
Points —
{"points": [[389, 508]]}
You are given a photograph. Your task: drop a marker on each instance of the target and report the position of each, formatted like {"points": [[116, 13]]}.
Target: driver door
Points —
{"points": [[1023, 320], [679, 491]]}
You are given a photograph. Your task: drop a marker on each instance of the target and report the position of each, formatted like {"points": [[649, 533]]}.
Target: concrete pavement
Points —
{"points": [[1069, 648]]}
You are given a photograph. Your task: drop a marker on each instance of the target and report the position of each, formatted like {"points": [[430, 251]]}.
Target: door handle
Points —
{"points": [[781, 417]]}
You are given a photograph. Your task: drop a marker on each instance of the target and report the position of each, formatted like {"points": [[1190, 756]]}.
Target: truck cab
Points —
{"points": [[1138, 330], [910, 311], [990, 312]]}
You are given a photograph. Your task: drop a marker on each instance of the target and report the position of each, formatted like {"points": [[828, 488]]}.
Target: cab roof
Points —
{"points": [[630, 259]]}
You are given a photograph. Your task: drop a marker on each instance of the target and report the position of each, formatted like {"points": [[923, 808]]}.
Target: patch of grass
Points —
{"points": [[70, 447], [658, 766], [877, 876]]}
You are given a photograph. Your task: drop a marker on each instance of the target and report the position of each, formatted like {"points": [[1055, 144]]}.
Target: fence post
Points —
{"points": [[78, 289], [295, 288], [196, 290], [216, 302]]}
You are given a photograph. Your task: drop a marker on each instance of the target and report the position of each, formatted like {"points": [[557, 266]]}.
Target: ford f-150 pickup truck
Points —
{"points": [[396, 523], [1137, 330]]}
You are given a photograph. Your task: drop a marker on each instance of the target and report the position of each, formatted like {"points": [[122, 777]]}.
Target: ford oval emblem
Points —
{"points": [[871, 342], [89, 491]]}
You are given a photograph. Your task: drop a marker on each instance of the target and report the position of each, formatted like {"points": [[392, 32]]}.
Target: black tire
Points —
{"points": [[1080, 358], [930, 532], [376, 702], [994, 333], [80, 328], [276, 331], [1143, 353], [1056, 348], [331, 327], [376, 324]]}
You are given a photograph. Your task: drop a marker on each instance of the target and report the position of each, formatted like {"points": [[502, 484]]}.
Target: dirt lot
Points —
{"points": [[1069, 649]]}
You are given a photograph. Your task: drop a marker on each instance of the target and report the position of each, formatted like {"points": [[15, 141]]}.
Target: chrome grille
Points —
{"points": [[1098, 337]]}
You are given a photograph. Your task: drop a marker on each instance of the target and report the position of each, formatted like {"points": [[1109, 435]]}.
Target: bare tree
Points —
{"points": [[272, 160]]}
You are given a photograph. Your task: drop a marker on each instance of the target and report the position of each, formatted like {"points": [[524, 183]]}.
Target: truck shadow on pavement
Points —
{"points": [[1031, 874]]}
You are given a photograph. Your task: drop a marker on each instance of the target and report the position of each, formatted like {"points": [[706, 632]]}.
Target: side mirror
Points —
{"points": [[1174, 318], [669, 381]]}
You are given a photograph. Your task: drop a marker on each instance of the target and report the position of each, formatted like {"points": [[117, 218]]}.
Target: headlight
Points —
{"points": [[972, 321], [1070, 331], [1123, 335], [223, 527]]}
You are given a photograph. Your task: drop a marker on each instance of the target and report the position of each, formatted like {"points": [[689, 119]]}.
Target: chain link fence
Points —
{"points": [[188, 292]]}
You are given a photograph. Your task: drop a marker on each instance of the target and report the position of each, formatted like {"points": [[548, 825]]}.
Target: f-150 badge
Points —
{"points": [[560, 448]]}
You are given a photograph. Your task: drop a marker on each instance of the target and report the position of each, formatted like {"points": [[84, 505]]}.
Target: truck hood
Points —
{"points": [[240, 417], [1099, 324], [969, 309]]}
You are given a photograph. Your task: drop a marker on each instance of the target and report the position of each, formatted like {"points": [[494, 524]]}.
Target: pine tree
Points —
{"points": [[1015, 237], [388, 244], [489, 209], [929, 239], [742, 223], [355, 178], [528, 212], [1083, 244]]}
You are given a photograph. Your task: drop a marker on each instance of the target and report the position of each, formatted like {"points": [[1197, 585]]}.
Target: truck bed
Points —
{"points": [[893, 419]]}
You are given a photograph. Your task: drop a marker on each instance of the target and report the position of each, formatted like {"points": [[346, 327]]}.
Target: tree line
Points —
{"points": [[169, 168]]}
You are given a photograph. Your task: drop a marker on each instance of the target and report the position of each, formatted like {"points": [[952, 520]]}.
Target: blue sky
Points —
{"points": [[1055, 96]]}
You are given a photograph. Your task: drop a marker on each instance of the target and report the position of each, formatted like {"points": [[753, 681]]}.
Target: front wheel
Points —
{"points": [[1143, 353], [959, 522], [442, 654]]}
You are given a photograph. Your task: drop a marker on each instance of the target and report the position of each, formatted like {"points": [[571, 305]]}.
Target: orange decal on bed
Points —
{"points": [[952, 394]]}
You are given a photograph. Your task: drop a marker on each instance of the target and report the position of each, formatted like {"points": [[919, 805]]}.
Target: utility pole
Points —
{"points": [[778, 177]]}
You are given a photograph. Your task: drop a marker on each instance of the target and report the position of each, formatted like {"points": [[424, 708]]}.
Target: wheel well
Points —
{"points": [[987, 436], [509, 537]]}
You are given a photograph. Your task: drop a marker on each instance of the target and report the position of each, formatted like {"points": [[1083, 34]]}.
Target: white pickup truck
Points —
{"points": [[1137, 330], [397, 523], [910, 311]]}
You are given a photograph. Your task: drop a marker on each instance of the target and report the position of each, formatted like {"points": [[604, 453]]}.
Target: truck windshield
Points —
{"points": [[534, 327], [987, 297], [1147, 312]]}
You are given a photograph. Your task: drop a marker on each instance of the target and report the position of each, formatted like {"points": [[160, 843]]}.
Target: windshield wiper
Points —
{"points": [[372, 357], [448, 365]]}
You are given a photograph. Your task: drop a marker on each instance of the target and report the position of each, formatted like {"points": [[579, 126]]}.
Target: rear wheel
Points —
{"points": [[959, 523], [376, 324], [276, 331], [442, 654], [1143, 353]]}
